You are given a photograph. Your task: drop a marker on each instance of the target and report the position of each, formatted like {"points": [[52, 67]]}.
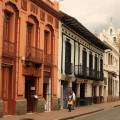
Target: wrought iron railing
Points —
{"points": [[88, 73]]}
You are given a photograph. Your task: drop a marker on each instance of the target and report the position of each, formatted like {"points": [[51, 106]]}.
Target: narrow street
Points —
{"points": [[112, 114]]}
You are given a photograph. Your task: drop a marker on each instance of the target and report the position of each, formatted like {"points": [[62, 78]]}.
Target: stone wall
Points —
{"points": [[40, 105], [1, 108], [21, 107], [55, 104]]}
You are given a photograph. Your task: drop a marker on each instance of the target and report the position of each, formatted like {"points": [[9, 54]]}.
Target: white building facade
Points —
{"points": [[80, 63], [111, 64]]}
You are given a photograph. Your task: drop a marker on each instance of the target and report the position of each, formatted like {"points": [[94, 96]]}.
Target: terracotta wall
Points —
{"points": [[45, 17]]}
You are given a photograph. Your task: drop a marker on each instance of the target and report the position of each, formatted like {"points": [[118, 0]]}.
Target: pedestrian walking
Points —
{"points": [[74, 99], [70, 102]]}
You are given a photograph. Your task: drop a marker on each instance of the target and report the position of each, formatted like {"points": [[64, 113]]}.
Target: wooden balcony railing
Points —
{"points": [[8, 49], [48, 59], [34, 55], [88, 73]]}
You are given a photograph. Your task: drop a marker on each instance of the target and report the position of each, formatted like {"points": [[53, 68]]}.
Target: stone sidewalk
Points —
{"points": [[64, 114]]}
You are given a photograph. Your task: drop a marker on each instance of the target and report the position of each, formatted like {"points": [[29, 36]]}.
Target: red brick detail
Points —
{"points": [[24, 4]]}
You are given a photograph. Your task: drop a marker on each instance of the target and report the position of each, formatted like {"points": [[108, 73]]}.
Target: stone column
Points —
{"points": [[88, 93], [88, 53], [70, 85], [78, 90], [81, 49], [97, 94], [78, 95], [93, 60]]}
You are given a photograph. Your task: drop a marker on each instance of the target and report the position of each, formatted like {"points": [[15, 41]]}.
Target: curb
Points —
{"points": [[71, 117], [116, 106]]}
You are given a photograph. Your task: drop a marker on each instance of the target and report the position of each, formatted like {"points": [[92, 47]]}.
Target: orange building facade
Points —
{"points": [[28, 50]]}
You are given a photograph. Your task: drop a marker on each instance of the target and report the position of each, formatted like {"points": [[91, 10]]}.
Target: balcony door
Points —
{"points": [[90, 65], [67, 57], [96, 67], [29, 34], [30, 91], [8, 90], [84, 63], [47, 46], [101, 69], [8, 37]]}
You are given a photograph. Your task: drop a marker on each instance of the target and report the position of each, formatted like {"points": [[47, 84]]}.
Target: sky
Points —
{"points": [[93, 14]]}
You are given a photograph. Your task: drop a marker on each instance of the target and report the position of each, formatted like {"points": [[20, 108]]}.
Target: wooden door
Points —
{"points": [[30, 91], [8, 90]]}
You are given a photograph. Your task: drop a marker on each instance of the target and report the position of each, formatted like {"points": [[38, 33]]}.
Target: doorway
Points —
{"points": [[8, 90], [30, 91], [64, 94], [82, 90], [82, 94]]}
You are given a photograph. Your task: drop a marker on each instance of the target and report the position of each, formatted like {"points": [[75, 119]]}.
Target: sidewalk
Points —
{"points": [[64, 114]]}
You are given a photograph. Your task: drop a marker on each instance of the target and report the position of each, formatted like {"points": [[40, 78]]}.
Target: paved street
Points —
{"points": [[65, 115], [112, 114]]}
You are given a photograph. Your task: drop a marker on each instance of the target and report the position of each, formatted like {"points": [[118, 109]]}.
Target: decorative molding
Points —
{"points": [[56, 23], [78, 39], [42, 15], [47, 8], [24, 4], [14, 0], [34, 8], [50, 18]]}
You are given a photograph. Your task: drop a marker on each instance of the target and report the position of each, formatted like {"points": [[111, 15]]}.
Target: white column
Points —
{"points": [[70, 84], [97, 91], [88, 90], [81, 50], [99, 63], [102, 90], [93, 60], [76, 54], [88, 58], [78, 90]]}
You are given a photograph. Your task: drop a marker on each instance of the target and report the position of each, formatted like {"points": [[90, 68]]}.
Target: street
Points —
{"points": [[113, 114]]}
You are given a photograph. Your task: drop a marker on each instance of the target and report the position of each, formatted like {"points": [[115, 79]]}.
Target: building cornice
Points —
{"points": [[101, 51], [74, 24], [47, 8]]}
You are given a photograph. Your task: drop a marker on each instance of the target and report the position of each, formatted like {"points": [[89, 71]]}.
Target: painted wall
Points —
{"points": [[111, 37], [45, 18]]}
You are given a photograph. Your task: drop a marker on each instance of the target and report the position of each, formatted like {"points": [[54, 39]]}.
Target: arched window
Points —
{"points": [[49, 44], [10, 29], [32, 32]]}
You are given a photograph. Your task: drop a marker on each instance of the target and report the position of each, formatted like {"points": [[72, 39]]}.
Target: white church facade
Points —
{"points": [[110, 36]]}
